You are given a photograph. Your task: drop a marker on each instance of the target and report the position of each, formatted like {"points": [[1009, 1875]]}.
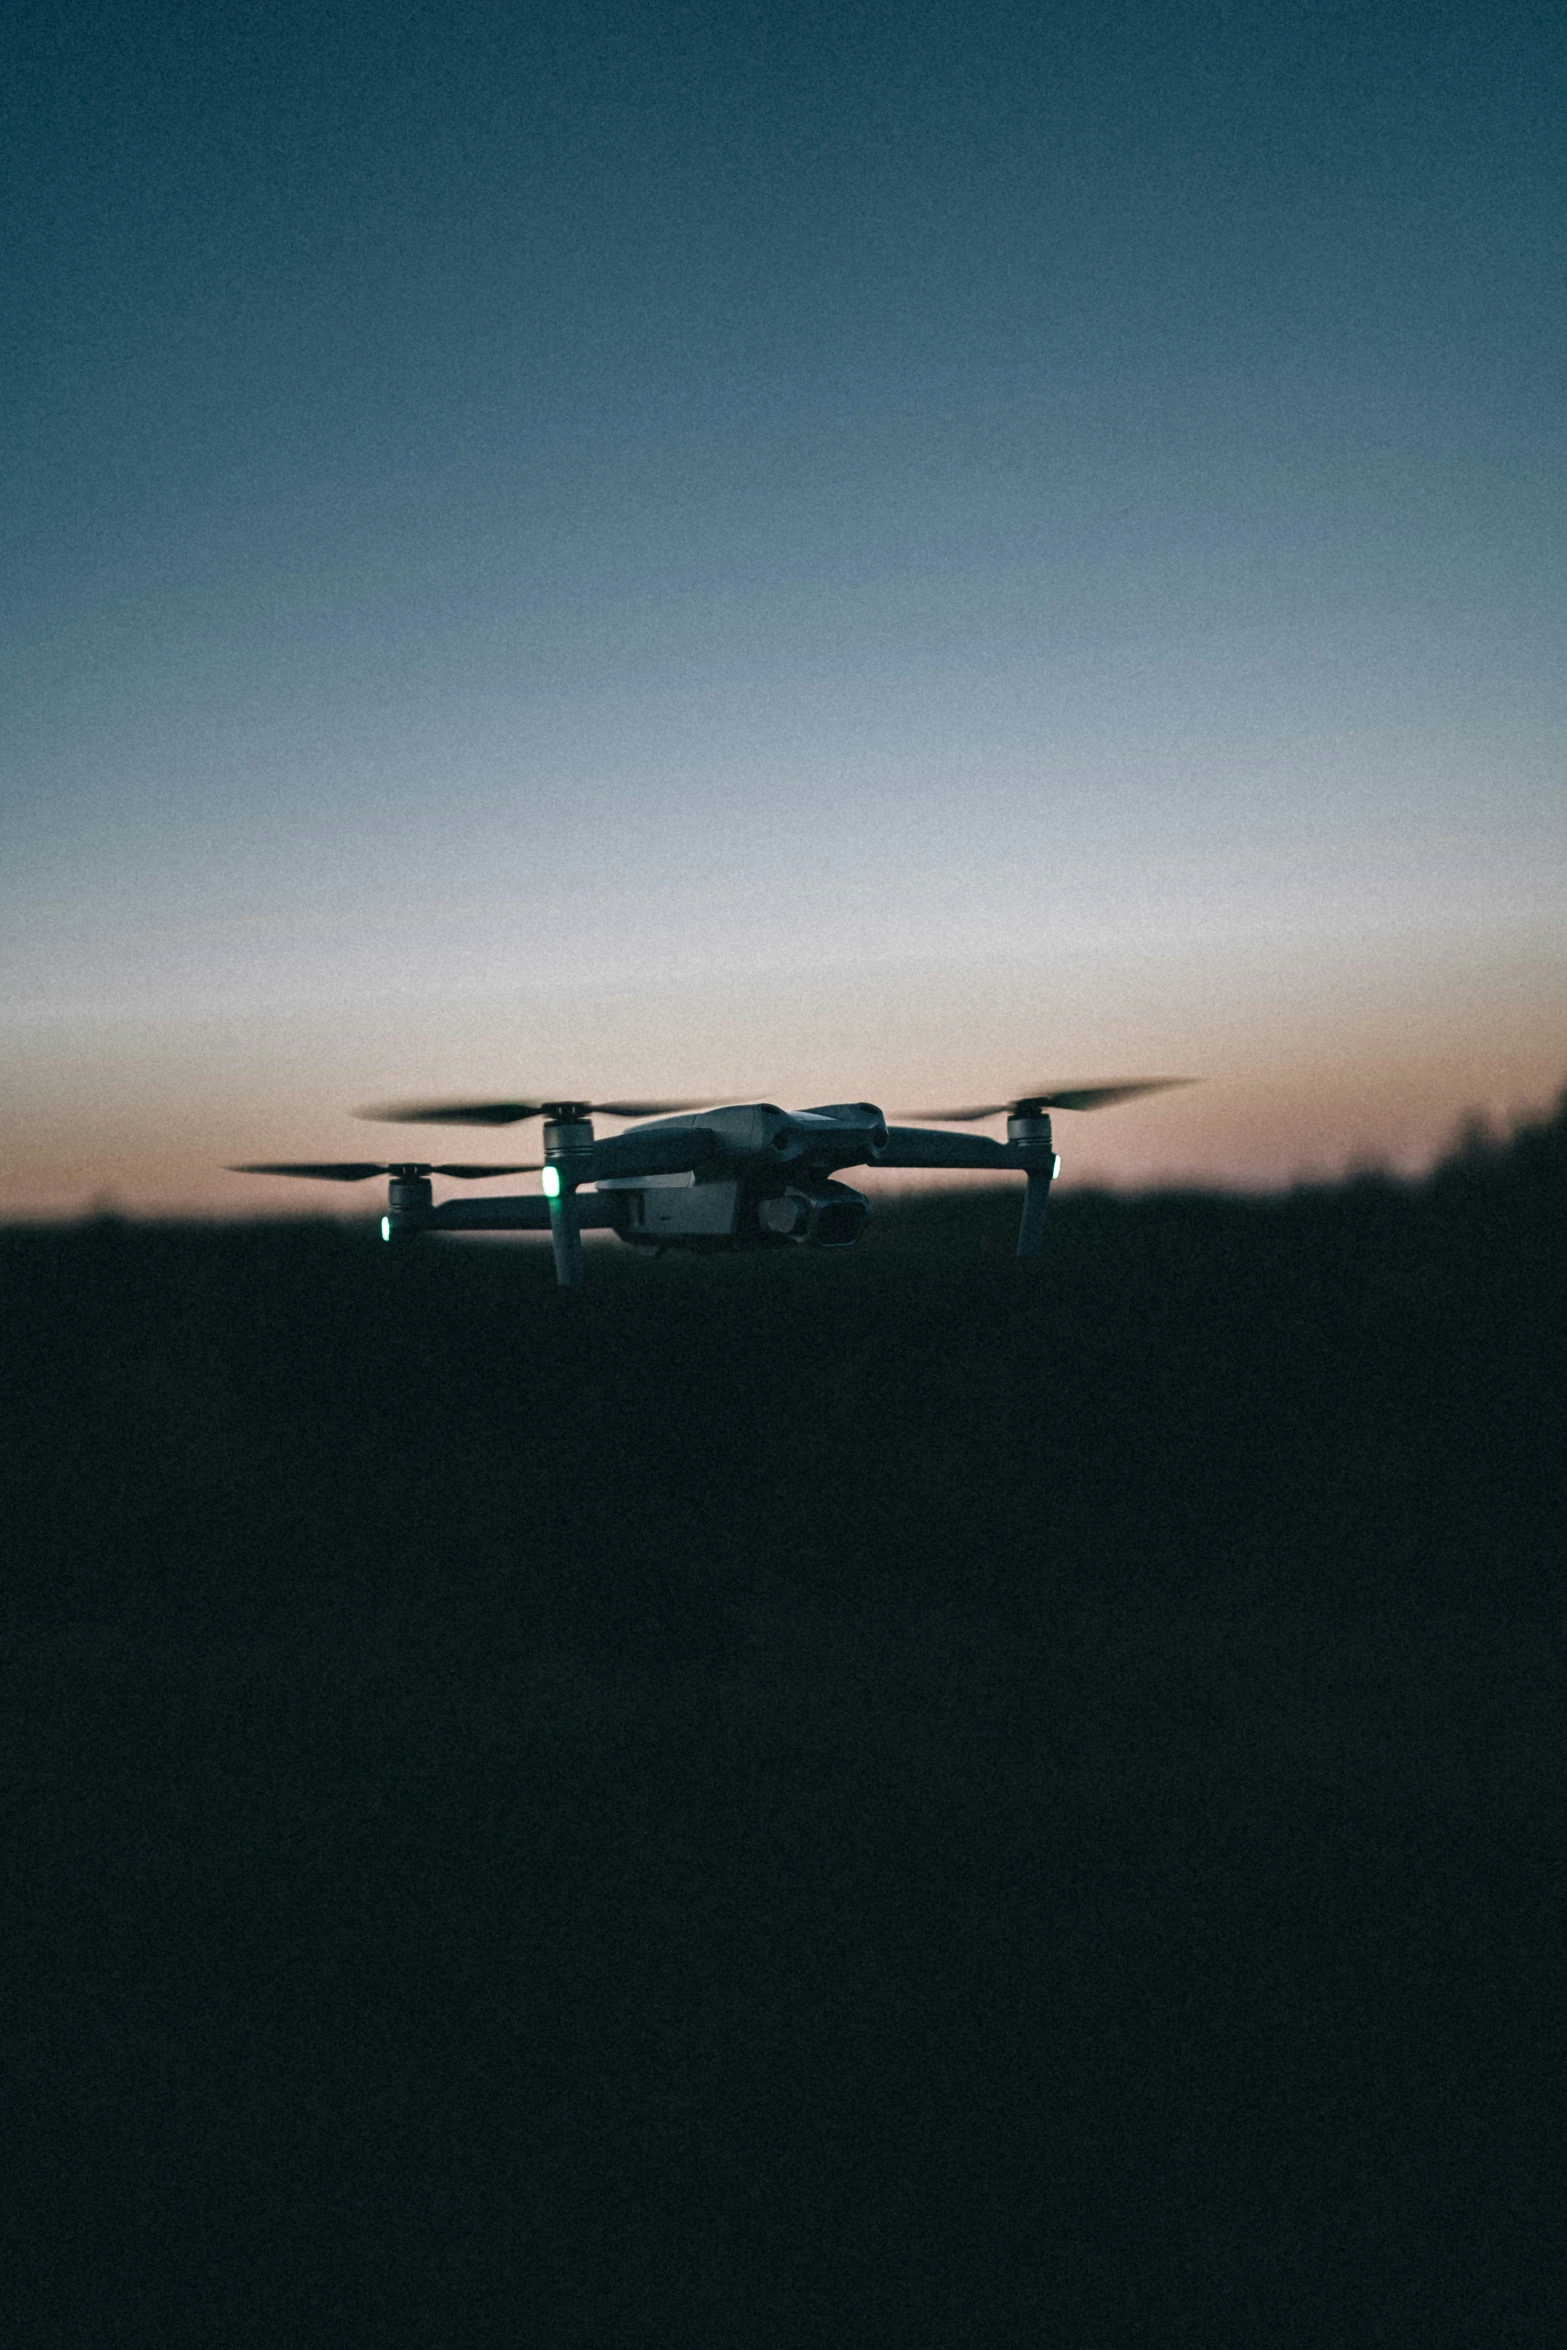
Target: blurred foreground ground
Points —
{"points": [[891, 1798]]}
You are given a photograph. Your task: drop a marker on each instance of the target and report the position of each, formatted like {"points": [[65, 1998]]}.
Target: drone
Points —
{"points": [[693, 1176]]}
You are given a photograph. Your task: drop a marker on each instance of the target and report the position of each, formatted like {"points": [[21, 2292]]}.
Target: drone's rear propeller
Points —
{"points": [[1057, 1097], [512, 1113], [360, 1170]]}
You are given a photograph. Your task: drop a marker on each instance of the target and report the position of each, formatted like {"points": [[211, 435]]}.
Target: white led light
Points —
{"points": [[386, 1227], [549, 1182], [1055, 1166]]}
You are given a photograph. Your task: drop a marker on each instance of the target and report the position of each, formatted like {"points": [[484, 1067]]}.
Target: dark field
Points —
{"points": [[891, 1798]]}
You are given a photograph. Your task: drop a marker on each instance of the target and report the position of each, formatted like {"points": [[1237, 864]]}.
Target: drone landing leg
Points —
{"points": [[1031, 1231], [566, 1233]]}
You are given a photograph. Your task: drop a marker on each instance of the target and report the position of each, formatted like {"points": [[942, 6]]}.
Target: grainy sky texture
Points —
{"points": [[891, 549]]}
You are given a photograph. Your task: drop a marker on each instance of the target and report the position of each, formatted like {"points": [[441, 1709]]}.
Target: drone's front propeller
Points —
{"points": [[1040, 1098], [1028, 1125]]}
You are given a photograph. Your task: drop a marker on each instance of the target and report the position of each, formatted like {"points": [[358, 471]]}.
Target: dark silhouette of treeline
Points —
{"points": [[891, 1797]]}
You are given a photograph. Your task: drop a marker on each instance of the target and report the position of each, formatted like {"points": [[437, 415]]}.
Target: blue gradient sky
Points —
{"points": [[888, 547]]}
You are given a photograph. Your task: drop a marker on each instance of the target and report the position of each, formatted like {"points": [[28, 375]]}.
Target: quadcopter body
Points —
{"points": [[740, 1176]]}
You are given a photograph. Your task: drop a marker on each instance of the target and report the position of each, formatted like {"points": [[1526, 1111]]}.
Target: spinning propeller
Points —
{"points": [[1058, 1097], [511, 1113], [360, 1170]]}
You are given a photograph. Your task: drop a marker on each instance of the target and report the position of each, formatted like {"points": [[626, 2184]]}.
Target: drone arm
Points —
{"points": [[566, 1235], [529, 1213], [917, 1146], [1036, 1195]]}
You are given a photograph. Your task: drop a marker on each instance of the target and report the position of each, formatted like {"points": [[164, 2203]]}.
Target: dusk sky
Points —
{"points": [[812, 551]]}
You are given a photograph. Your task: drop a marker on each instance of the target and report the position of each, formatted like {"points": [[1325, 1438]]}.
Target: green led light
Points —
{"points": [[549, 1182], [386, 1227]]}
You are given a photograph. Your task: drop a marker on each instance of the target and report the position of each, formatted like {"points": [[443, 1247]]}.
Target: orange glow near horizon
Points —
{"points": [[1315, 1058]]}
